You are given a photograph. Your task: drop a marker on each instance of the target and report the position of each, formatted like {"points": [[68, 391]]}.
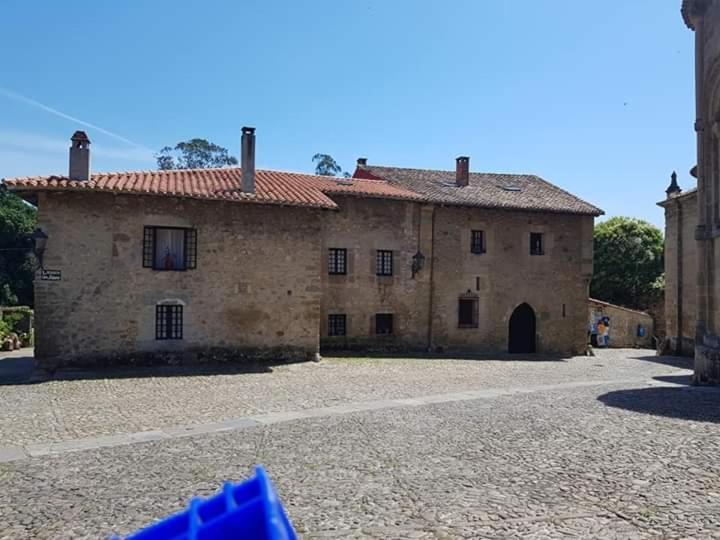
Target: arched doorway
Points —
{"points": [[521, 334]]}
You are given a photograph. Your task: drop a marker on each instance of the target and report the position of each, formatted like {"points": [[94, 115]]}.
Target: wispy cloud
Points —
{"points": [[28, 101], [33, 143]]}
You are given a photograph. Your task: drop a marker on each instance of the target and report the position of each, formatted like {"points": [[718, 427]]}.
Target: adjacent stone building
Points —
{"points": [[681, 270], [217, 264], [627, 328], [703, 17]]}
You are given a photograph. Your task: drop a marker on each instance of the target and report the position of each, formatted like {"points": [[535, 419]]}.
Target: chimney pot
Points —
{"points": [[462, 171], [247, 157], [79, 167], [362, 161]]}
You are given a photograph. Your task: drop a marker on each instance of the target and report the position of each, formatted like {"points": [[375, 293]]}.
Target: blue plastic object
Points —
{"points": [[249, 511]]}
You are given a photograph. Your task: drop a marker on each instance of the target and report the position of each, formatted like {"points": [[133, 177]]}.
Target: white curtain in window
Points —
{"points": [[170, 249]]}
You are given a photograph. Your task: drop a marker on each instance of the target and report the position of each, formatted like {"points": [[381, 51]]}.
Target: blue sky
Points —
{"points": [[596, 97]]}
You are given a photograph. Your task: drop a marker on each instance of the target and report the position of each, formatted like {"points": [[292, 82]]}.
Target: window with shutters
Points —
{"points": [[384, 262], [169, 248], [337, 261], [384, 323], [477, 242], [468, 313], [337, 324], [168, 321]]}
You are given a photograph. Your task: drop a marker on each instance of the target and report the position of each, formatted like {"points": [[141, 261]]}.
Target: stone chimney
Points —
{"points": [[362, 161], [247, 159], [462, 171], [673, 189], [79, 157]]}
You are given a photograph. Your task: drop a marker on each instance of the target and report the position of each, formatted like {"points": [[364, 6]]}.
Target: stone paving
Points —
{"points": [[601, 447]]}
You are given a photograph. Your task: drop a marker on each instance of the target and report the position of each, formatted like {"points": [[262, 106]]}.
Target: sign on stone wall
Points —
{"points": [[50, 275]]}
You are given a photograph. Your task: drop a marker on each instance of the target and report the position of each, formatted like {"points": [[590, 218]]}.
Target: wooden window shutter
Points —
{"points": [[190, 248], [148, 247]]}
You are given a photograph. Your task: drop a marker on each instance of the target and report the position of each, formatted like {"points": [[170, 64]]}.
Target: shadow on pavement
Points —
{"points": [[700, 404], [674, 361], [537, 357], [15, 369]]}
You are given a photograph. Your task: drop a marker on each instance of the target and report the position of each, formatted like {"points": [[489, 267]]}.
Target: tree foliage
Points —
{"points": [[628, 266], [194, 154], [17, 222], [325, 165]]}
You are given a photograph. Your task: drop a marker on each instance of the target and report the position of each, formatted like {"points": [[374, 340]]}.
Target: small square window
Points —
{"points": [[384, 262], [337, 324], [337, 261], [468, 313], [168, 321], [536, 244], [384, 323], [477, 244]]}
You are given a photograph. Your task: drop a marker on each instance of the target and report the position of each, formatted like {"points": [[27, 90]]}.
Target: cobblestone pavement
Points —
{"points": [[602, 460], [62, 410]]}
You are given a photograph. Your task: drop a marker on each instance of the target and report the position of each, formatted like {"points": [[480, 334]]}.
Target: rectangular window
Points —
{"points": [[383, 323], [477, 244], [468, 313], [536, 244], [384, 262], [169, 248], [168, 321], [337, 324], [337, 261]]}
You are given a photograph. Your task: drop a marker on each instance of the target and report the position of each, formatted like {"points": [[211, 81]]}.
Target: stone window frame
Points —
{"points": [[169, 321], [337, 261], [337, 325], [149, 257], [389, 324], [477, 242], [533, 251], [475, 313], [384, 262]]}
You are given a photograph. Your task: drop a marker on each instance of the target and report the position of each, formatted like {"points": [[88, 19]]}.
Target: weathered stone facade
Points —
{"points": [[703, 16], [255, 291], [681, 271], [236, 264], [624, 324]]}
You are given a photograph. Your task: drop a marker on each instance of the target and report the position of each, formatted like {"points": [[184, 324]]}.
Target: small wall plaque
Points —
{"points": [[50, 275]]}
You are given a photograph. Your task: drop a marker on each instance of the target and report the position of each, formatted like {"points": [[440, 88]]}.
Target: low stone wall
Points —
{"points": [[625, 324]]}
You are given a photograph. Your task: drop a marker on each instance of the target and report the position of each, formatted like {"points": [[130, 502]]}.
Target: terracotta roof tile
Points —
{"points": [[272, 187], [485, 190]]}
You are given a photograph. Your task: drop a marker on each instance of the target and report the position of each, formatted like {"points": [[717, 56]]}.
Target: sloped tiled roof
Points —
{"points": [[271, 187], [486, 190]]}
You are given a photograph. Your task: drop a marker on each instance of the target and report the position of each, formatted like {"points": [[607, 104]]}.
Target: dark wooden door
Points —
{"points": [[521, 338]]}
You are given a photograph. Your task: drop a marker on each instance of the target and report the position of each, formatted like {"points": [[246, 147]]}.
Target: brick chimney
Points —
{"points": [[247, 159], [79, 157], [362, 161], [462, 171]]}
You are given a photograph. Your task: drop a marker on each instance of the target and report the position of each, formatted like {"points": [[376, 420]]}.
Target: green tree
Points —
{"points": [[628, 266], [17, 222], [325, 165], [194, 154]]}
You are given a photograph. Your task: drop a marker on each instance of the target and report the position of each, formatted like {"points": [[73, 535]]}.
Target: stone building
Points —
{"points": [[681, 270], [199, 265], [628, 328], [703, 17]]}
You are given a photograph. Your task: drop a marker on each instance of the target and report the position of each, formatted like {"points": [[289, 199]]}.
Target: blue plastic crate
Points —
{"points": [[250, 511]]}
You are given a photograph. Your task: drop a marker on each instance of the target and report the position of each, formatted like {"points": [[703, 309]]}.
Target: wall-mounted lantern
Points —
{"points": [[418, 261], [39, 239]]}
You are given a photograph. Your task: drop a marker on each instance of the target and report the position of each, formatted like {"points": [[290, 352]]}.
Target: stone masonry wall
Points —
{"points": [[362, 226], [555, 284], [256, 288], [680, 273], [624, 324]]}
